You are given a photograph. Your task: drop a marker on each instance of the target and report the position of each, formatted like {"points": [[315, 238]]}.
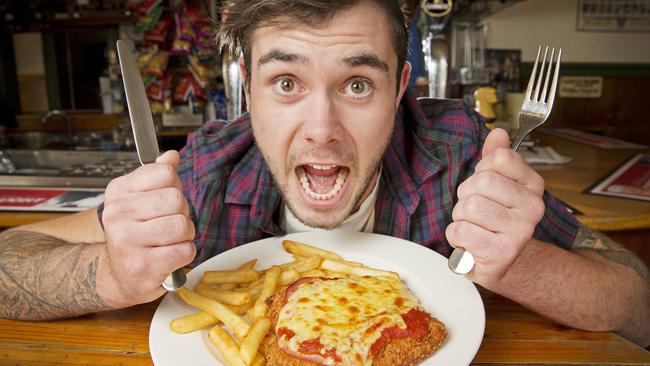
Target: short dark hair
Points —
{"points": [[244, 16]]}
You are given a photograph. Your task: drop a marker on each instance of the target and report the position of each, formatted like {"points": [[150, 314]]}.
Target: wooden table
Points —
{"points": [[624, 220], [588, 165], [513, 335]]}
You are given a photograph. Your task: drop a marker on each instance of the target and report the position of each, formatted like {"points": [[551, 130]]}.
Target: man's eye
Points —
{"points": [[358, 88], [286, 86]]}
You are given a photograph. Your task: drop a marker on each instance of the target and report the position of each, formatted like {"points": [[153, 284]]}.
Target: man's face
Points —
{"points": [[322, 105]]}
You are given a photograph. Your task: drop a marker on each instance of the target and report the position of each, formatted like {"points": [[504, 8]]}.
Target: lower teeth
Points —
{"points": [[322, 196]]}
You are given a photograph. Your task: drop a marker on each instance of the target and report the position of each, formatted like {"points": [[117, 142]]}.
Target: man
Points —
{"points": [[333, 141]]}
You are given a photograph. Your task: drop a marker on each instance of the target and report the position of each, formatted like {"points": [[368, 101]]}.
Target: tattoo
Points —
{"points": [[42, 277], [610, 250]]}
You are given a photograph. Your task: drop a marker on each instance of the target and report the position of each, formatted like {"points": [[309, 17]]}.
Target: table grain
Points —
{"points": [[513, 336]]}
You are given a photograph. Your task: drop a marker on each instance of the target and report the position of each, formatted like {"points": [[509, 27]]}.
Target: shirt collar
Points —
{"points": [[250, 183], [407, 162]]}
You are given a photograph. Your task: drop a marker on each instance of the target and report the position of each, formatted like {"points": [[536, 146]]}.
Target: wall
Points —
{"points": [[621, 58], [30, 72], [530, 23]]}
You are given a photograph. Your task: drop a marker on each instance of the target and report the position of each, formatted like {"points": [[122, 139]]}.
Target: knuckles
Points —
{"points": [[180, 227], [503, 157], [488, 178], [164, 172]]}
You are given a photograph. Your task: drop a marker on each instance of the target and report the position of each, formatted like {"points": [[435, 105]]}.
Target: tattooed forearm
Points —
{"points": [[610, 250], [42, 277]]}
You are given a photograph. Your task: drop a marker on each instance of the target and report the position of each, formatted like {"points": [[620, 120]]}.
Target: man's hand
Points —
{"points": [[497, 211], [148, 231]]}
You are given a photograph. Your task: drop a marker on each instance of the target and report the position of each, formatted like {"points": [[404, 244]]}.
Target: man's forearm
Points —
{"points": [[42, 277], [599, 286]]}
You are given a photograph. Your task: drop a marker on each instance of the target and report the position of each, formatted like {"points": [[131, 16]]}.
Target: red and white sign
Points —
{"points": [[49, 199]]}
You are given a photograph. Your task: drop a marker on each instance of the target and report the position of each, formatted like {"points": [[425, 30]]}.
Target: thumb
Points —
{"points": [[497, 138], [169, 157]]}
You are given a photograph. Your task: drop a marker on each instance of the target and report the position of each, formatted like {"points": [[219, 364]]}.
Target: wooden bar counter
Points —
{"points": [[513, 336], [588, 165]]}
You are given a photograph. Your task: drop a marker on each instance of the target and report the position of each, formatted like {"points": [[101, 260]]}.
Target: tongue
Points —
{"points": [[321, 181]]}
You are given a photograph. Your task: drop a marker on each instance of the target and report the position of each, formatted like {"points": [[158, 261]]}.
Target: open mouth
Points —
{"points": [[322, 182]]}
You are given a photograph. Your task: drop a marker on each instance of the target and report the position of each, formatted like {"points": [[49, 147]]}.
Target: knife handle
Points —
{"points": [[174, 280]]}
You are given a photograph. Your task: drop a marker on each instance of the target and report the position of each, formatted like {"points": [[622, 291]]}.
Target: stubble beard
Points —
{"points": [[325, 219]]}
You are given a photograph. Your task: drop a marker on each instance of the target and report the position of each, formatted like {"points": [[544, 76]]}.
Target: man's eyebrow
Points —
{"points": [[367, 59], [282, 56]]}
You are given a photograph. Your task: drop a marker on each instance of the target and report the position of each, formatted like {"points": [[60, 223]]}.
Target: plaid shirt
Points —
{"points": [[435, 146]]}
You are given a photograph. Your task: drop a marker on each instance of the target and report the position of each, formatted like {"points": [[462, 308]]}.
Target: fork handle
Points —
{"points": [[519, 137]]}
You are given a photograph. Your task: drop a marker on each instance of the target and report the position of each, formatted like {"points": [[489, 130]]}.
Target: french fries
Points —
{"points": [[271, 278], [236, 299], [226, 346], [341, 267], [192, 322], [230, 276], [287, 277], [305, 250], [218, 310], [303, 265], [225, 296], [251, 343]]}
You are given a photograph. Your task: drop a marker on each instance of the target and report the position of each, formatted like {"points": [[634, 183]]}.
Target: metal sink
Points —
{"points": [[36, 140], [64, 168]]}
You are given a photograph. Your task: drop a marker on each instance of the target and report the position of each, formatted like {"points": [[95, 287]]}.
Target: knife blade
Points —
{"points": [[139, 109], [144, 132]]}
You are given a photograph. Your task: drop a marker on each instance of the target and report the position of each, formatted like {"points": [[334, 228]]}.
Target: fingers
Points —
{"points": [[164, 260], [497, 138], [148, 205], [149, 177], [483, 212], [512, 165], [140, 273], [148, 229], [498, 157], [497, 188], [472, 238], [497, 210], [162, 231], [155, 232], [171, 157]]}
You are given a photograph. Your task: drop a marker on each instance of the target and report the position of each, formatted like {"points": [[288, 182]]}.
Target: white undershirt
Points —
{"points": [[361, 221]]}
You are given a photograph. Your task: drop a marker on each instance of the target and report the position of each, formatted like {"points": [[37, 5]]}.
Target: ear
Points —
{"points": [[403, 82], [242, 72]]}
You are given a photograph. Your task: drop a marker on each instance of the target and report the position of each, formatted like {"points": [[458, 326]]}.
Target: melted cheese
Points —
{"points": [[347, 315]]}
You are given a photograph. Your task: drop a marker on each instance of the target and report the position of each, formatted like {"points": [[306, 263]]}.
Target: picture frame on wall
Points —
{"points": [[613, 16]]}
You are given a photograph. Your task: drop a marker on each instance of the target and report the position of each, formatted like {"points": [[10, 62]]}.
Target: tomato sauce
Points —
{"points": [[417, 326], [314, 347], [288, 333]]}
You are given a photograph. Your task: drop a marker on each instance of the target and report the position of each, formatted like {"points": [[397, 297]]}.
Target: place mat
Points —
{"points": [[629, 180], [49, 199]]}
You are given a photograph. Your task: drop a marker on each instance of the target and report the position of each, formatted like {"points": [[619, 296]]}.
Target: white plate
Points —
{"points": [[449, 297]]}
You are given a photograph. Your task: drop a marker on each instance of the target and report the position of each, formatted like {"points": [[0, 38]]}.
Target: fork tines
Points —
{"points": [[545, 72]]}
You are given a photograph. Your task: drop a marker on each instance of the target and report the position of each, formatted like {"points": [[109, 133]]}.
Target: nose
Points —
{"points": [[322, 123]]}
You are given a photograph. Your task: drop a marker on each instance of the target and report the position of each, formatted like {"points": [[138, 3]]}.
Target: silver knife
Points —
{"points": [[144, 132]]}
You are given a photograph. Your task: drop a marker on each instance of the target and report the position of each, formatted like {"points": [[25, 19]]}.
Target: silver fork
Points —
{"points": [[534, 111]]}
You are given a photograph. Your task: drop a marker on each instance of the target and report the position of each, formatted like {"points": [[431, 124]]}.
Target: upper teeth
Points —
{"points": [[321, 167]]}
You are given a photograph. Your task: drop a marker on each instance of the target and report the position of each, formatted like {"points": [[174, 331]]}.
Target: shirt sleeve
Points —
{"points": [[185, 172], [558, 226]]}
